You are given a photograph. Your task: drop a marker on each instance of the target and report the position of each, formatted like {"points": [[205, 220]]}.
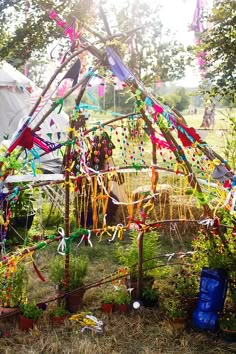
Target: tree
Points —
{"points": [[26, 28], [178, 99], [151, 55], [219, 44]]}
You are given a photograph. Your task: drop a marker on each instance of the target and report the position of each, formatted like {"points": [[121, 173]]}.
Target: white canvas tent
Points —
{"points": [[17, 94]]}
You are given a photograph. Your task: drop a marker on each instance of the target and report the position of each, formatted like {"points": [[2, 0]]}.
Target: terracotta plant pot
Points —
{"points": [[74, 301], [9, 313], [58, 320], [228, 335], [178, 323], [122, 308], [26, 324], [107, 308], [191, 304]]}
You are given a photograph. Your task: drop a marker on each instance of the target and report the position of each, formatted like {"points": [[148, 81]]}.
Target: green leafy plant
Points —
{"points": [[121, 296], [30, 311], [216, 250], [108, 297], [59, 312], [227, 320], [150, 294], [10, 163], [187, 283], [128, 257], [78, 269], [23, 204], [174, 308], [13, 287]]}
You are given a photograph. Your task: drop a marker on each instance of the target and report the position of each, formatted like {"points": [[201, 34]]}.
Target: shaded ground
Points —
{"points": [[146, 332], [143, 332]]}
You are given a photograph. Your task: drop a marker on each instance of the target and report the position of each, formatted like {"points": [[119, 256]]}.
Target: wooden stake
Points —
{"points": [[67, 185], [140, 265]]}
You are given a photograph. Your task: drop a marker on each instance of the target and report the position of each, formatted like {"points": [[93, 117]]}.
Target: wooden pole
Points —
{"points": [[67, 206], [104, 18], [140, 265], [67, 185]]}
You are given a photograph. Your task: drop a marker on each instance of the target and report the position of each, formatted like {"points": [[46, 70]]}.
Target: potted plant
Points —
{"points": [[29, 314], [108, 301], [150, 297], [227, 323], [187, 287], [175, 310], [58, 315], [22, 209], [121, 300], [78, 267], [13, 288], [128, 257]]}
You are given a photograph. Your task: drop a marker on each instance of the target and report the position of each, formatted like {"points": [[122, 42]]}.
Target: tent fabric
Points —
{"points": [[9, 76], [15, 105]]}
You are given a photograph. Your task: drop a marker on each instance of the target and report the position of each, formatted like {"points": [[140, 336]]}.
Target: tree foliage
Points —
{"points": [[26, 28], [178, 99], [152, 54], [219, 44]]}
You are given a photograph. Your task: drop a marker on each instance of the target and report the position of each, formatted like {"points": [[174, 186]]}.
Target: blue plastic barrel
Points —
{"points": [[213, 288]]}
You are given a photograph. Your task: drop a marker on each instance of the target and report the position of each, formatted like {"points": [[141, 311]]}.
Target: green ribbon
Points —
{"points": [[162, 124], [73, 236], [137, 166], [203, 199], [59, 102]]}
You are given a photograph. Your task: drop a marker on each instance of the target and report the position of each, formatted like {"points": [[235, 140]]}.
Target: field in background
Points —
{"points": [[215, 138]]}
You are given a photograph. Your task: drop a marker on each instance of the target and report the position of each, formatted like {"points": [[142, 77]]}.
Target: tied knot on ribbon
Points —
{"points": [[61, 249], [170, 256], [207, 222], [118, 231], [87, 238]]}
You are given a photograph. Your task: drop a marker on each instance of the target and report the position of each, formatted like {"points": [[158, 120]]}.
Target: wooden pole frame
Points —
{"points": [[67, 186]]}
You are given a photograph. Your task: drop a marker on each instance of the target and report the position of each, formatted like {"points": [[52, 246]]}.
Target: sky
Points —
{"points": [[178, 15]]}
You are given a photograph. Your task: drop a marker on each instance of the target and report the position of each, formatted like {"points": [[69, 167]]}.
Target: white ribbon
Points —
{"points": [[206, 222], [62, 245], [170, 256], [97, 326], [116, 231], [104, 220], [89, 241]]}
